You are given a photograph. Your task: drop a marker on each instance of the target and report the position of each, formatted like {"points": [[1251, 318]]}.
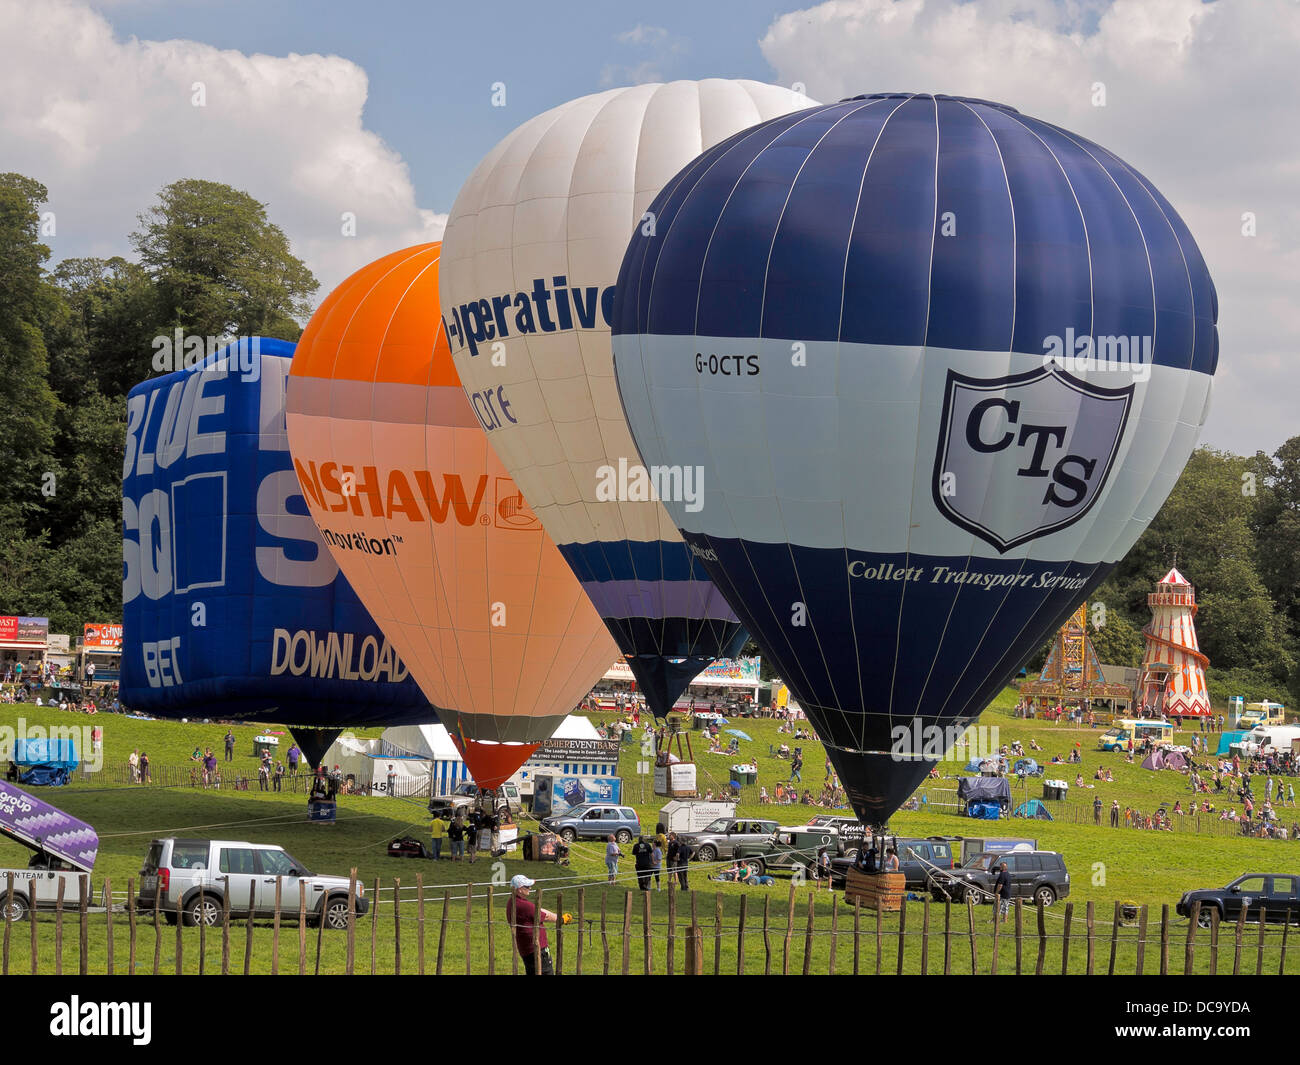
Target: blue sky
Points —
{"points": [[379, 111], [431, 65]]}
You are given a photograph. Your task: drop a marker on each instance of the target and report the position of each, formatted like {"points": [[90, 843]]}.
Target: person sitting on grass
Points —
{"points": [[738, 873]]}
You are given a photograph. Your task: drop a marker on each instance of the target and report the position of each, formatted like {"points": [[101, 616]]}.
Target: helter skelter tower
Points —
{"points": [[1172, 679]]}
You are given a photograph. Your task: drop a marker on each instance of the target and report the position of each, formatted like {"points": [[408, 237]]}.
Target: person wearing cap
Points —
{"points": [[522, 913]]}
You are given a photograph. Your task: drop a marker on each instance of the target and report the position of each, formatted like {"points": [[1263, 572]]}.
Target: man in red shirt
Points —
{"points": [[521, 912]]}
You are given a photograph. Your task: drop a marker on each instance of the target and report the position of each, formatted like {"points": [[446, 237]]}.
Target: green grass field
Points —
{"points": [[1106, 865]]}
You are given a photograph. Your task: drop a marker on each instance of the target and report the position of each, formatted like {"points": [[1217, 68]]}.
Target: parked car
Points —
{"points": [[594, 820], [198, 872], [787, 848], [1272, 894], [721, 837], [467, 795], [917, 859], [1034, 875]]}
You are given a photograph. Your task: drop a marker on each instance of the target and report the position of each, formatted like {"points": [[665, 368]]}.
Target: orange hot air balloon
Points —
{"points": [[426, 524]]}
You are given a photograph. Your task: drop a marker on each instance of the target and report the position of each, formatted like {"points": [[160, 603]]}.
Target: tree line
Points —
{"points": [[77, 336]]}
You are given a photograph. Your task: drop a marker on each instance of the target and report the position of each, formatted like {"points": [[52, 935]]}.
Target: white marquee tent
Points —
{"points": [[423, 757], [370, 766], [445, 767]]}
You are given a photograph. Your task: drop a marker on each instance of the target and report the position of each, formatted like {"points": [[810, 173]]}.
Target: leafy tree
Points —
{"points": [[75, 341], [82, 580], [221, 268], [1205, 520], [1237, 625], [1118, 642], [90, 455], [1254, 686], [27, 302], [1277, 529], [106, 341]]}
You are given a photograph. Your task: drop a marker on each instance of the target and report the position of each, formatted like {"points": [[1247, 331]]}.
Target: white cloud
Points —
{"points": [[1202, 98], [663, 51], [104, 123], [642, 34]]}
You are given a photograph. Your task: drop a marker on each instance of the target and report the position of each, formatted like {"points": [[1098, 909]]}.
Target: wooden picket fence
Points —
{"points": [[614, 933]]}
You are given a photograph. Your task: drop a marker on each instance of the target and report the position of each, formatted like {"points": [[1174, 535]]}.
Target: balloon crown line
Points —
{"points": [[931, 96]]}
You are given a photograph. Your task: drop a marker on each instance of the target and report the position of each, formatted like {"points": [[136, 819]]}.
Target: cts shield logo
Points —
{"points": [[513, 511], [1024, 456]]}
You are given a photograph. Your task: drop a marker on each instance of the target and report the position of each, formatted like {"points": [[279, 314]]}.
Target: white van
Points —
{"points": [[1267, 739]]}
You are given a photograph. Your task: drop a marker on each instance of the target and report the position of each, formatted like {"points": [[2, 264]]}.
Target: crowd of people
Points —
{"points": [[1219, 785], [1085, 715], [44, 684], [830, 796], [649, 857], [84, 701], [471, 830], [1057, 712]]}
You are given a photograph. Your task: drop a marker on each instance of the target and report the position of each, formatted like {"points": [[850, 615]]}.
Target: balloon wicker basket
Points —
{"points": [[322, 811], [877, 891]]}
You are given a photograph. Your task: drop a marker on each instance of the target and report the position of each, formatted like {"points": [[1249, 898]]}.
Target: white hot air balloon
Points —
{"points": [[530, 258]]}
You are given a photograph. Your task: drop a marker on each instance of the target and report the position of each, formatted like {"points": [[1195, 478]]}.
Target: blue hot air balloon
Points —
{"points": [[939, 363], [233, 606]]}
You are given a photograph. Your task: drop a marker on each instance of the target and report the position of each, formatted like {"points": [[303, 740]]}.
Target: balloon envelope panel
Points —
{"points": [[531, 253], [423, 518], [940, 363], [233, 607]]}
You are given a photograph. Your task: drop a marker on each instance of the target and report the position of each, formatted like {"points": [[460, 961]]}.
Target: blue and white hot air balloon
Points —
{"points": [[940, 363]]}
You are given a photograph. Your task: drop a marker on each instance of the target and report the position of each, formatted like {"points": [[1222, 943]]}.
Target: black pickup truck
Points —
{"points": [[1274, 895]]}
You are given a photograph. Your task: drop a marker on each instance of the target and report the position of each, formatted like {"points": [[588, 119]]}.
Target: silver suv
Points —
{"points": [[467, 795], [595, 820], [722, 838], [176, 869]]}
